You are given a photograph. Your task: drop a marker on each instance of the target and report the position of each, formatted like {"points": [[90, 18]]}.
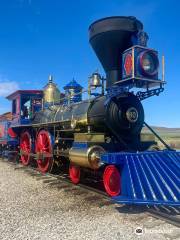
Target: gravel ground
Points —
{"points": [[33, 206]]}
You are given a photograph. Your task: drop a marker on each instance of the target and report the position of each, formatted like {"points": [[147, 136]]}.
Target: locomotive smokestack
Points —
{"points": [[109, 37]]}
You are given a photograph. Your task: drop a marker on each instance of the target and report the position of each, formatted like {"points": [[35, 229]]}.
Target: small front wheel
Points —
{"points": [[112, 180], [74, 173]]}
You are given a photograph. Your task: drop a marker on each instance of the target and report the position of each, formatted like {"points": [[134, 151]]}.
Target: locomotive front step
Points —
{"points": [[150, 178]]}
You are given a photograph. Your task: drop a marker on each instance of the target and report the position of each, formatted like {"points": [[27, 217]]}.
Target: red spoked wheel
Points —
{"points": [[44, 151], [112, 180], [74, 173], [25, 147]]}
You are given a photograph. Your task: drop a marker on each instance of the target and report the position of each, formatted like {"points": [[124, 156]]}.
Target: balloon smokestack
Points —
{"points": [[109, 37]]}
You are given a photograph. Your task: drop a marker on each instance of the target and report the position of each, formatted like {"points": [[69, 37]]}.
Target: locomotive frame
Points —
{"points": [[101, 135]]}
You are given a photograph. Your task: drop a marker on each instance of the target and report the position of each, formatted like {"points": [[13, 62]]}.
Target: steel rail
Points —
{"points": [[172, 215]]}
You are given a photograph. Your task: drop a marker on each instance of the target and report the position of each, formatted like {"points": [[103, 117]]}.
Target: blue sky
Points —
{"points": [[42, 37]]}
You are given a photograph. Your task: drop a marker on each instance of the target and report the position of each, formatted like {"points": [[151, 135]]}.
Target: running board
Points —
{"points": [[150, 178]]}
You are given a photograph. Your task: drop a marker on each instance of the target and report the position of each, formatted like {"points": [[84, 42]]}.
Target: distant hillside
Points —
{"points": [[164, 131], [170, 135]]}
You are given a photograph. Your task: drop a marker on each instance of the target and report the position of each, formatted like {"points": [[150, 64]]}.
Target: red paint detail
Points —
{"points": [[112, 180], [12, 133], [74, 173], [44, 146], [2, 131], [128, 64], [25, 147]]}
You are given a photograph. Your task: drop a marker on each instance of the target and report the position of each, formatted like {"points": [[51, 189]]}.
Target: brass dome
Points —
{"points": [[51, 92]]}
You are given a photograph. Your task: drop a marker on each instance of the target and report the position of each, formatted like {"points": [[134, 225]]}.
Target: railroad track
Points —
{"points": [[167, 214], [86, 186]]}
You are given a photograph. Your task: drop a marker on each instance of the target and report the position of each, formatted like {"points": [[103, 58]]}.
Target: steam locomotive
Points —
{"points": [[102, 135]]}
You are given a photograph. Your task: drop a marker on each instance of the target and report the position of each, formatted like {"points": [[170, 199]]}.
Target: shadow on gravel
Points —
{"points": [[98, 201], [34, 174], [131, 209], [72, 189], [82, 192], [52, 181], [93, 198], [38, 178], [60, 186], [19, 168]]}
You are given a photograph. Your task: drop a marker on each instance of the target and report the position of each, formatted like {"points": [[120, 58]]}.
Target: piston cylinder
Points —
{"points": [[88, 157]]}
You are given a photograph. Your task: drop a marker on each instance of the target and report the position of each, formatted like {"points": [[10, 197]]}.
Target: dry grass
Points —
{"points": [[173, 142]]}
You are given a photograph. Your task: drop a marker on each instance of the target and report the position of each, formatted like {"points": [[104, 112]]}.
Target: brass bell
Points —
{"points": [[96, 80]]}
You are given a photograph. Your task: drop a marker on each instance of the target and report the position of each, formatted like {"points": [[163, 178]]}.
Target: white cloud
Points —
{"points": [[7, 87]]}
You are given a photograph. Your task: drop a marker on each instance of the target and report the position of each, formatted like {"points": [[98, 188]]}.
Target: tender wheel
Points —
{"points": [[74, 173], [25, 148], [44, 150], [112, 180]]}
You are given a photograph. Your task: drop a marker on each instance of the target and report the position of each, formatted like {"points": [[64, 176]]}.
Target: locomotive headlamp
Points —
{"points": [[149, 63], [140, 67]]}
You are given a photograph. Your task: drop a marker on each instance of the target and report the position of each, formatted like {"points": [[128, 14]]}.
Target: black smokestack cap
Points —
{"points": [[109, 37]]}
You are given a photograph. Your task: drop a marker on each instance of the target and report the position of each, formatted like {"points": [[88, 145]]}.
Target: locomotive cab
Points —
{"points": [[24, 104]]}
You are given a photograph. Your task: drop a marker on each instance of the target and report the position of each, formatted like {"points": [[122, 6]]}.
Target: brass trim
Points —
{"points": [[86, 157], [89, 137]]}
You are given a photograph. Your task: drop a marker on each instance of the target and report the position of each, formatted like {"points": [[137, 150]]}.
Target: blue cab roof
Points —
{"points": [[73, 85]]}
